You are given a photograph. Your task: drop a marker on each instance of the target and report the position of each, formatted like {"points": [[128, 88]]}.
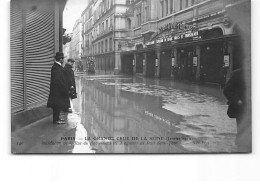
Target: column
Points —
{"points": [[230, 49], [144, 63], [134, 64], [117, 68], [157, 65], [174, 55], [198, 67]]}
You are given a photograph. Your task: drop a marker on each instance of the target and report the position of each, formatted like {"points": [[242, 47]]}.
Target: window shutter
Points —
{"points": [[39, 54], [16, 43]]}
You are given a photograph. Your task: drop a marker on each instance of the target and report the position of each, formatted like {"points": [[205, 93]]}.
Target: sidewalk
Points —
{"points": [[45, 137]]}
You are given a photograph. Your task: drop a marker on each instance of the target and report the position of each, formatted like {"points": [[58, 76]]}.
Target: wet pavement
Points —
{"points": [[125, 114]]}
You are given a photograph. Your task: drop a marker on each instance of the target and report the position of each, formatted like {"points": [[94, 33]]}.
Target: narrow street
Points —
{"points": [[125, 114]]}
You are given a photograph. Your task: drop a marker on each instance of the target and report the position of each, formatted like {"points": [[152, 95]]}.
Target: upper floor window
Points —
{"points": [[187, 4], [105, 45], [107, 24], [129, 23], [180, 4], [110, 44], [166, 7], [162, 8], [171, 6], [102, 47]]}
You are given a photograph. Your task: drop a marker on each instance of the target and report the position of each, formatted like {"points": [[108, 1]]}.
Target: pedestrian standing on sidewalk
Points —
{"points": [[238, 107], [71, 81], [59, 92]]}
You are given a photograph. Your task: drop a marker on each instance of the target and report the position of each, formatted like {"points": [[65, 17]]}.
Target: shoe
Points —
{"points": [[59, 122]]}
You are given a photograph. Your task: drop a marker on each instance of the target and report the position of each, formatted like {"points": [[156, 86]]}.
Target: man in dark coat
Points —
{"points": [[71, 80], [59, 92], [239, 107]]}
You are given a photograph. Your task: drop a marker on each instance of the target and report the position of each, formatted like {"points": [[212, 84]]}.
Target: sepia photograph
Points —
{"points": [[130, 76]]}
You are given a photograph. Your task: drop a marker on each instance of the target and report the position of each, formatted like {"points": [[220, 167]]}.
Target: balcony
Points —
{"points": [[106, 31]]}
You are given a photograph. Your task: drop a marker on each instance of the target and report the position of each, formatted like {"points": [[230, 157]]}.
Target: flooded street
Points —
{"points": [[139, 115]]}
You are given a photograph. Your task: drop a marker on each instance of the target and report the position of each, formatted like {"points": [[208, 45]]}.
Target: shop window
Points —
{"points": [[107, 24]]}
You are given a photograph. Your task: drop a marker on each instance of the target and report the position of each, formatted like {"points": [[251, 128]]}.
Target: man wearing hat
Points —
{"points": [[71, 80], [59, 92]]}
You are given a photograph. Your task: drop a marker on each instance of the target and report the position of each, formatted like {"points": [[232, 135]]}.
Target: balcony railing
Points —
{"points": [[104, 32]]}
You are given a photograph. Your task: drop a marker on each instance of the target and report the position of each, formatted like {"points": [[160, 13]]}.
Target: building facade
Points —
{"points": [[182, 39], [36, 34], [66, 51], [75, 50], [104, 29]]}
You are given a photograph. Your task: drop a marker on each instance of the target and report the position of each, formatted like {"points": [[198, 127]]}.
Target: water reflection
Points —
{"points": [[116, 112]]}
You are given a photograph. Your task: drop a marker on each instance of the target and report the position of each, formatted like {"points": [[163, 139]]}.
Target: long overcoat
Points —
{"points": [[234, 91], [59, 92], [70, 75]]}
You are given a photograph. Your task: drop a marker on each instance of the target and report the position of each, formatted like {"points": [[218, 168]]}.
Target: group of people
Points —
{"points": [[62, 87]]}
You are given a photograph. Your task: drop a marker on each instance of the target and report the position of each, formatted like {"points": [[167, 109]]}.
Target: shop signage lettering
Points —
{"points": [[177, 31], [175, 37], [177, 27]]}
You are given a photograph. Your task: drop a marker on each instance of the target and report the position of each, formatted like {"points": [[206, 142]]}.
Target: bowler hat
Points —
{"points": [[71, 60], [59, 55]]}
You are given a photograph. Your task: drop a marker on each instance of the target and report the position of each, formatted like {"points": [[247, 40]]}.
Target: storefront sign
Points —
{"points": [[181, 30], [173, 61], [168, 38], [195, 61], [156, 62], [226, 60], [178, 27]]}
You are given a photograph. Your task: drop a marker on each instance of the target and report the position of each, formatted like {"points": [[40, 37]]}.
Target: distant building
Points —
{"points": [[76, 42], [66, 51], [104, 29]]}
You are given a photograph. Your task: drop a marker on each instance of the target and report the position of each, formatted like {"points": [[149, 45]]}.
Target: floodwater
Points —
{"points": [[125, 114]]}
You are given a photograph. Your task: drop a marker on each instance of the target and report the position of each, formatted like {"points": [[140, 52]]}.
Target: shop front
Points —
{"points": [[185, 63], [105, 63], [139, 63], [212, 59], [203, 50], [127, 63], [150, 64], [165, 64]]}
